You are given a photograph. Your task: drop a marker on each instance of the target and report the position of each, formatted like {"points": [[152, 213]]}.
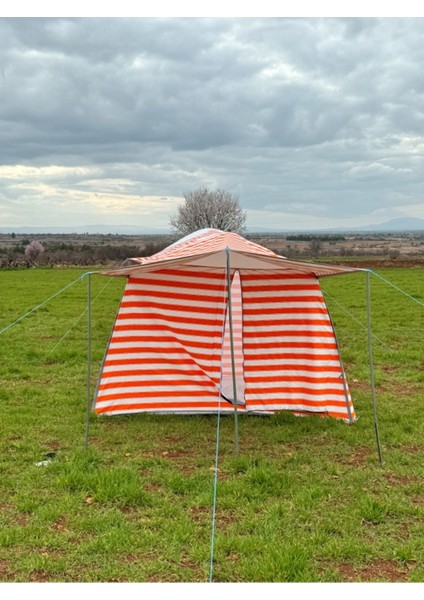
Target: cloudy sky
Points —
{"points": [[311, 122]]}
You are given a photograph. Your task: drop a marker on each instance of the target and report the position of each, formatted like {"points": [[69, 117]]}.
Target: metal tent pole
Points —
{"points": [[87, 420], [377, 436], [233, 362]]}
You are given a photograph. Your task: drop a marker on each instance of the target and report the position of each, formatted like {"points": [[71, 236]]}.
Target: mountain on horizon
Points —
{"points": [[403, 224]]}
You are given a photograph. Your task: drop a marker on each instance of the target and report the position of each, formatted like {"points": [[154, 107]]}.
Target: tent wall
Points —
{"points": [[164, 354], [291, 359], [169, 350]]}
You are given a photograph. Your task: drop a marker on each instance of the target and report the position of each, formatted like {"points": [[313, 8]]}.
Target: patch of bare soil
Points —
{"points": [[4, 570], [358, 457], [380, 570], [200, 514], [60, 524], [39, 576], [411, 448], [394, 479], [226, 517]]}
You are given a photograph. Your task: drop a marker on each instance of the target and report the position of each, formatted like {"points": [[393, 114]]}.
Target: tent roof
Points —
{"points": [[208, 249]]}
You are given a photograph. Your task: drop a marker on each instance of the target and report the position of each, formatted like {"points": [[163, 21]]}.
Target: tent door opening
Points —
{"points": [[233, 329]]}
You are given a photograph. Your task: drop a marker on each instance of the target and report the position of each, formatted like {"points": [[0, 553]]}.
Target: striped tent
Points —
{"points": [[216, 320]]}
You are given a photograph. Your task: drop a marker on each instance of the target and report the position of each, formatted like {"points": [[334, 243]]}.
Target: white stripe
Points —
{"points": [[271, 303], [159, 290], [150, 328], [283, 328], [166, 319], [173, 410], [268, 387], [215, 302], [341, 410], [271, 318], [152, 366], [281, 337], [292, 362], [294, 373], [281, 294], [179, 340], [280, 281], [161, 402], [270, 398], [160, 379], [182, 277], [319, 353], [146, 356], [162, 386]]}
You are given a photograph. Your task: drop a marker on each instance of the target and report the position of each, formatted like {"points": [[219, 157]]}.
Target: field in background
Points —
{"points": [[306, 499], [384, 249]]}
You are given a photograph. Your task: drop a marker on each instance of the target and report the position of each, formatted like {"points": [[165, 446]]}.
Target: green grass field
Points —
{"points": [[306, 500]]}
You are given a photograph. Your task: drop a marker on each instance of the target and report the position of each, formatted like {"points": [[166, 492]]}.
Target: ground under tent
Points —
{"points": [[216, 322]]}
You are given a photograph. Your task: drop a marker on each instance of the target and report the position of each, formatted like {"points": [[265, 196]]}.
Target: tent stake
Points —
{"points": [[377, 436], [87, 420], [233, 362]]}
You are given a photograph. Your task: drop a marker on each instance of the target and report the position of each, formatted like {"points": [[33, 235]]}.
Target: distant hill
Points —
{"points": [[401, 224], [91, 229]]}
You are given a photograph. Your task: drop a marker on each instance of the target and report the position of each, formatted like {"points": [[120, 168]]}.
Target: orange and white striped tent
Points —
{"points": [[216, 319]]}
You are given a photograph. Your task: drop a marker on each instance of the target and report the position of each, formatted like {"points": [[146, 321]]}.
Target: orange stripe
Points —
{"points": [[172, 295], [163, 394], [268, 299], [283, 322], [266, 276], [197, 285], [253, 356], [280, 310], [155, 372], [311, 391], [217, 321], [197, 355], [186, 273], [157, 327], [158, 383], [162, 361], [283, 366], [173, 307], [160, 340], [279, 344], [280, 288]]}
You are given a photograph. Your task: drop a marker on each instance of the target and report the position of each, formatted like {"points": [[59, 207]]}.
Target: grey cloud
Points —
{"points": [[288, 110]]}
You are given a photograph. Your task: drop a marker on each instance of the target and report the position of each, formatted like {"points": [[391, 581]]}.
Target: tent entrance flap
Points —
{"points": [[227, 381]]}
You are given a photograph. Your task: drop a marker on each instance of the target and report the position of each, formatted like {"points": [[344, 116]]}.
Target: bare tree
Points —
{"points": [[33, 251], [315, 247], [204, 208]]}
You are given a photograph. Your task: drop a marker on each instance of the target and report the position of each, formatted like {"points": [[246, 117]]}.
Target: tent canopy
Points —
{"points": [[208, 249]]}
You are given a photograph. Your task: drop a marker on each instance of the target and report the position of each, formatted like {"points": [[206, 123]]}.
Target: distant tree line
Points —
{"points": [[29, 253], [306, 237]]}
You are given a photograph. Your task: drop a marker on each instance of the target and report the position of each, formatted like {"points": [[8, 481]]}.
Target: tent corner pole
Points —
{"points": [[233, 364], [87, 418], [371, 366]]}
